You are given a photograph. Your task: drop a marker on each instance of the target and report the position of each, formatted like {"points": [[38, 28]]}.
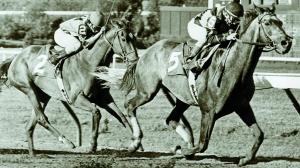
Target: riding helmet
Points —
{"points": [[97, 18], [235, 9]]}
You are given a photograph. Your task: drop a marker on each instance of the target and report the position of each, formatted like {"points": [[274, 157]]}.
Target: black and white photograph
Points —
{"points": [[149, 83]]}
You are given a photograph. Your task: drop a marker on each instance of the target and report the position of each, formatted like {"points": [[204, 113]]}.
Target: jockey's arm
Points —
{"points": [[221, 38], [90, 41]]}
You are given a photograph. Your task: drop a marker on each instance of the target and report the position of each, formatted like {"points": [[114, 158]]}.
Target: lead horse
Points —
{"points": [[32, 74], [218, 95]]}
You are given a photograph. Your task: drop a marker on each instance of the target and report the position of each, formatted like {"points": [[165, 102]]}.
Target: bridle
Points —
{"points": [[116, 34], [267, 46]]}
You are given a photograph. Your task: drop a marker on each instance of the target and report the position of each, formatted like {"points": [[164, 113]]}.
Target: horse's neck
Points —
{"points": [[92, 58], [247, 54]]}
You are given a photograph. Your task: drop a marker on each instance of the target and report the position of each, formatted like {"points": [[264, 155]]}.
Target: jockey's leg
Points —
{"points": [[70, 44], [194, 64]]}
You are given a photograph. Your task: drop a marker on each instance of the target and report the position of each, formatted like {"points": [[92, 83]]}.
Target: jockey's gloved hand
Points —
{"points": [[231, 36], [102, 30]]}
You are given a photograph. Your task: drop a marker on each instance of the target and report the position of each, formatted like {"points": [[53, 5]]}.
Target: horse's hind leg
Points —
{"points": [[29, 131], [183, 128], [41, 118], [30, 126], [146, 90], [245, 112]]}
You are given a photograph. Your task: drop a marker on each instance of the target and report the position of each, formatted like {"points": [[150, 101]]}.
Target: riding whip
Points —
{"points": [[221, 67], [110, 12]]}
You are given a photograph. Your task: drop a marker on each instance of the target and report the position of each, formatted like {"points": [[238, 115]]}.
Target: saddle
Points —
{"points": [[205, 54], [54, 51], [56, 54]]}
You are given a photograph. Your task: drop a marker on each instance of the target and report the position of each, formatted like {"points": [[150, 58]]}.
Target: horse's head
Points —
{"points": [[271, 31], [121, 40]]}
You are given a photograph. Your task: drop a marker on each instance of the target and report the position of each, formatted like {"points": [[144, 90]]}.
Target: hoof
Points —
{"points": [[176, 150], [189, 151], [244, 161], [70, 145], [92, 148], [134, 147], [67, 142], [32, 154], [141, 148]]}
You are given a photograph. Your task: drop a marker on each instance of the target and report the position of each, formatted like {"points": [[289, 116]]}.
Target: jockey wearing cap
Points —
{"points": [[213, 26], [78, 32]]}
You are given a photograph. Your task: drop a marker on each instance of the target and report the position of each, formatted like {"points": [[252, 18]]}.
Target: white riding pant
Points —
{"points": [[69, 42], [197, 32]]}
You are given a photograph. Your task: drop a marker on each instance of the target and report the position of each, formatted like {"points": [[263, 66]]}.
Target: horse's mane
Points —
{"points": [[249, 16]]}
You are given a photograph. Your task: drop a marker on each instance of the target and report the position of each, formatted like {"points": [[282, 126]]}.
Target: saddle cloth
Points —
{"points": [[179, 56], [46, 70]]}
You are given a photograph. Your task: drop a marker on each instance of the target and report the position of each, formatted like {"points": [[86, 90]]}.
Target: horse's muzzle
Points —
{"points": [[285, 45]]}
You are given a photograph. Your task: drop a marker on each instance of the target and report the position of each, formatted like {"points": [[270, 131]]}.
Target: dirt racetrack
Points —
{"points": [[230, 139]]}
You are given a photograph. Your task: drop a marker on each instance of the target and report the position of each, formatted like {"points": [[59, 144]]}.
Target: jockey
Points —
{"points": [[213, 26], [78, 33]]}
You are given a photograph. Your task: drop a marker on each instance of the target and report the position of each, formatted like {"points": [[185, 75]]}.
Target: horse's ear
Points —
{"points": [[119, 23], [273, 8], [115, 23], [258, 9], [128, 14]]}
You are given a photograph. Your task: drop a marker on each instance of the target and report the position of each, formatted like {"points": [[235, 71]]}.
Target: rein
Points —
{"points": [[124, 54], [270, 45]]}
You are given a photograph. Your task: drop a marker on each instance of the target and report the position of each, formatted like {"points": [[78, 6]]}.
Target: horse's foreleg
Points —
{"points": [[77, 122], [182, 128], [245, 112], [114, 110], [83, 103], [207, 124]]}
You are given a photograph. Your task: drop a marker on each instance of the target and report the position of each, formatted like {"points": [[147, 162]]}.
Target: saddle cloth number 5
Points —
{"points": [[174, 61], [39, 69]]}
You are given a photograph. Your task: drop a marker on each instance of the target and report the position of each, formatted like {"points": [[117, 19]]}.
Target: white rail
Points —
{"points": [[60, 13]]}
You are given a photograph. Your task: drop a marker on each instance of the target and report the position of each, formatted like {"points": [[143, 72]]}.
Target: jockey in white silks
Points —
{"points": [[78, 33], [212, 26]]}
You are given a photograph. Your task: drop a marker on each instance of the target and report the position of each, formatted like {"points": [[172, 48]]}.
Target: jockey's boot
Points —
{"points": [[55, 58], [193, 63]]}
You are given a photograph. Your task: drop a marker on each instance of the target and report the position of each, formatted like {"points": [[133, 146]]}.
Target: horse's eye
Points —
{"points": [[267, 23]]}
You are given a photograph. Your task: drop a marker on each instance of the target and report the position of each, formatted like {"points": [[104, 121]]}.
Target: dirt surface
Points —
{"points": [[230, 139]]}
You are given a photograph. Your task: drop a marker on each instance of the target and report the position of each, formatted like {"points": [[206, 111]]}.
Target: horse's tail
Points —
{"points": [[128, 81], [4, 65]]}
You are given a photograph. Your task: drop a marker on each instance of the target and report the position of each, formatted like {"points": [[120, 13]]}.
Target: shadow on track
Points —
{"points": [[235, 160], [114, 152]]}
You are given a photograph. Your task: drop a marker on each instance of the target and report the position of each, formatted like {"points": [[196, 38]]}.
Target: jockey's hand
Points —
{"points": [[102, 30], [231, 36]]}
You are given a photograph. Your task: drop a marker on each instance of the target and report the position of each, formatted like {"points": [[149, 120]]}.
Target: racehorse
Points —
{"points": [[31, 73], [224, 87]]}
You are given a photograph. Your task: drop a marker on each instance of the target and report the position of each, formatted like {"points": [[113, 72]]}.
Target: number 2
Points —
{"points": [[82, 29]]}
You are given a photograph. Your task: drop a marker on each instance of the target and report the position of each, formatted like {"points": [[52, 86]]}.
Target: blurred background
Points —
{"points": [[29, 22]]}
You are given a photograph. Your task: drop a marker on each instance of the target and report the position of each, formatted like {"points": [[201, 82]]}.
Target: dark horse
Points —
{"points": [[32, 74], [260, 27]]}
